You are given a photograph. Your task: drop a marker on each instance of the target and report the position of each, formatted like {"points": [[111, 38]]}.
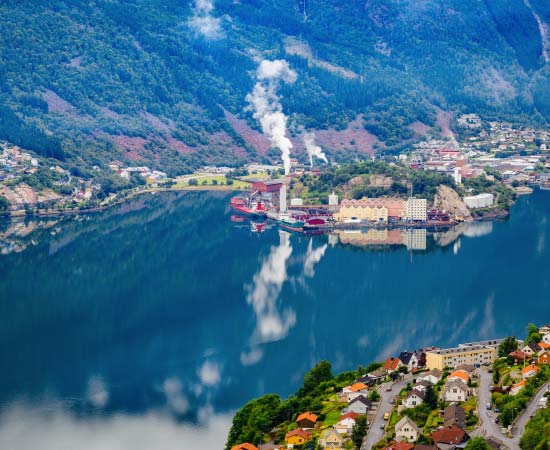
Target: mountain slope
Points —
{"points": [[133, 80]]}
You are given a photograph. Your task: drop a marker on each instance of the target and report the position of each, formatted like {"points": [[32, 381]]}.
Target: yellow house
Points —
{"points": [[297, 437], [332, 440], [453, 357]]}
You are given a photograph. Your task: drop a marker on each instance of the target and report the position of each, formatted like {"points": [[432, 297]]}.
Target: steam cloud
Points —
{"points": [[312, 148], [266, 105], [202, 21]]}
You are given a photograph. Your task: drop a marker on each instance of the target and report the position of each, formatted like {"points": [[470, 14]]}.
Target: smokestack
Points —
{"points": [[282, 199], [267, 107]]}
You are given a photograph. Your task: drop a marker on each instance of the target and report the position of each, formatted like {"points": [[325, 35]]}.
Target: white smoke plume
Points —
{"points": [[312, 148], [202, 21], [266, 105]]}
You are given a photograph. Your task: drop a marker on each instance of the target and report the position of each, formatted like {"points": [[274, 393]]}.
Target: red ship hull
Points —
{"points": [[241, 209]]}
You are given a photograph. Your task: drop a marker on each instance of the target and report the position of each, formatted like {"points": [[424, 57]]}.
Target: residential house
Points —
{"points": [[346, 423], [529, 371], [392, 364], [518, 355], [546, 338], [370, 379], [297, 437], [413, 398], [532, 348], [332, 440], [424, 447], [433, 376], [355, 390], [409, 359], [454, 415], [461, 375], [544, 357], [403, 445], [468, 368], [406, 430], [306, 420], [545, 329], [359, 405], [517, 387], [456, 391], [449, 437], [244, 446]]}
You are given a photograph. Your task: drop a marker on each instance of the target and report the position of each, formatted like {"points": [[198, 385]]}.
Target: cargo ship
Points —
{"points": [[291, 224], [247, 207]]}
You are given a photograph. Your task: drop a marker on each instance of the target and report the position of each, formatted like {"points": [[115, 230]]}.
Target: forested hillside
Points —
{"points": [[164, 82]]}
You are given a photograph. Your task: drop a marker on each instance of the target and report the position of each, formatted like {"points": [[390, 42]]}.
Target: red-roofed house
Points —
{"points": [[392, 364], [450, 435], [346, 423], [399, 446]]}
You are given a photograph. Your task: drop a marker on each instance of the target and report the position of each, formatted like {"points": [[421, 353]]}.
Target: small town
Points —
{"points": [[427, 399]]}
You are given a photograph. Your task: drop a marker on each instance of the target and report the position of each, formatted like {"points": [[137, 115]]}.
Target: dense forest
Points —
{"points": [[148, 81]]}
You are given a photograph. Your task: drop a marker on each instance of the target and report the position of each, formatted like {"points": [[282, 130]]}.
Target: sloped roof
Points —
{"points": [[462, 374], [456, 383], [392, 363], [449, 435], [407, 420], [406, 357], [530, 368], [416, 392], [308, 416], [298, 432], [350, 415], [454, 415], [399, 446], [244, 446], [358, 387], [361, 399]]}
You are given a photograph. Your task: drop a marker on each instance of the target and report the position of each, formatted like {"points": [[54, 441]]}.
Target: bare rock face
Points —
{"points": [[447, 199]]}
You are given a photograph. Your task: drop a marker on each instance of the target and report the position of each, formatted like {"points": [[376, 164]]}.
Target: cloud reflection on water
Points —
{"points": [[29, 428]]}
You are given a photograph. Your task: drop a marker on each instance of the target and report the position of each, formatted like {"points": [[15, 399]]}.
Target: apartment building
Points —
{"points": [[453, 357]]}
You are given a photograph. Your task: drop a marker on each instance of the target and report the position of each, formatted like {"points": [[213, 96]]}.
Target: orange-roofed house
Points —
{"points": [[306, 420], [403, 445], [544, 357], [244, 446], [461, 375], [517, 387], [355, 390], [392, 364], [530, 371], [297, 437]]}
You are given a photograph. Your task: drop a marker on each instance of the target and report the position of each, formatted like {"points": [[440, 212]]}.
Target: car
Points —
{"points": [[382, 427], [490, 371], [497, 410], [392, 402], [497, 420], [491, 387], [386, 416], [488, 406], [388, 389]]}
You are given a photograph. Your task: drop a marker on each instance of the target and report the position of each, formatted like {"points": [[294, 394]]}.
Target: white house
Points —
{"points": [[432, 377], [546, 338], [410, 359], [346, 423], [456, 391], [413, 398], [406, 430]]}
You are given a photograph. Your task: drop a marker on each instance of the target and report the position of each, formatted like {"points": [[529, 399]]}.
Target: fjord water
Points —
{"points": [[149, 324]]}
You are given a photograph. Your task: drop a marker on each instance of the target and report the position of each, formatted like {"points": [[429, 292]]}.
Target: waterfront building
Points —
{"points": [[453, 357], [372, 209], [416, 209], [479, 201]]}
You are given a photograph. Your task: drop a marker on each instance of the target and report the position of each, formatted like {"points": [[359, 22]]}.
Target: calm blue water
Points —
{"points": [[150, 324]]}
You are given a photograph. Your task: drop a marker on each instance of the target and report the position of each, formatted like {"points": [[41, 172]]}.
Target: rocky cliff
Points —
{"points": [[447, 199]]}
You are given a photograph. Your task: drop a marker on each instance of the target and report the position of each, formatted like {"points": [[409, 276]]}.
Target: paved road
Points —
{"points": [[532, 406], [488, 427], [376, 432]]}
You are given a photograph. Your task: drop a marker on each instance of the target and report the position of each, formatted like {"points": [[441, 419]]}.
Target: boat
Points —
{"points": [[289, 223], [247, 207]]}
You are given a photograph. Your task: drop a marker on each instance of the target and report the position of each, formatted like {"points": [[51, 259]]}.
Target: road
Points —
{"points": [[488, 427], [376, 431]]}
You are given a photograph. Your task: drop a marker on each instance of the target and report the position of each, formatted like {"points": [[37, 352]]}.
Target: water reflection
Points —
{"points": [[165, 314]]}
